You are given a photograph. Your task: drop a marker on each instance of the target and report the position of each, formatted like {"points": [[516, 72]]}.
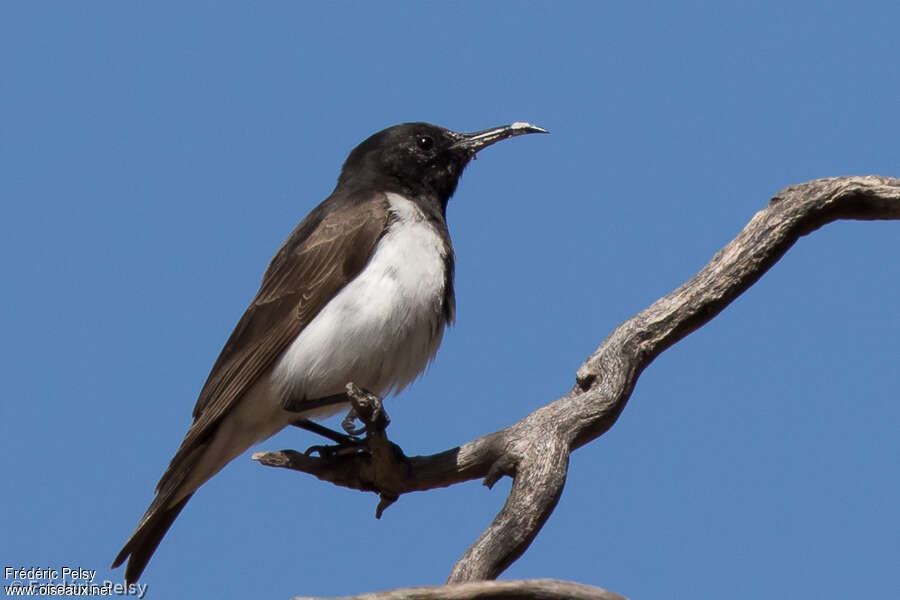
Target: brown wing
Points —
{"points": [[327, 250]]}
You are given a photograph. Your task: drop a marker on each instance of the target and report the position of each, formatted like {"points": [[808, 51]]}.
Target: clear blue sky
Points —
{"points": [[154, 156]]}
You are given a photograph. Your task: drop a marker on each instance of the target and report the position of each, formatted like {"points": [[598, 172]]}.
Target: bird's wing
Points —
{"points": [[327, 250]]}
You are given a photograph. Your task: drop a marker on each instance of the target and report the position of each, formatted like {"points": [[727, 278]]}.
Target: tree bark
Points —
{"points": [[530, 589], [535, 450]]}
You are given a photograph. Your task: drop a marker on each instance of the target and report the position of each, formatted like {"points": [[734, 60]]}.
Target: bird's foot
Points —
{"points": [[367, 408], [333, 451], [344, 444], [349, 424]]}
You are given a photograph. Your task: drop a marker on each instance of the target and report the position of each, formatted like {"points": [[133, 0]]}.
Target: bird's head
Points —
{"points": [[420, 158]]}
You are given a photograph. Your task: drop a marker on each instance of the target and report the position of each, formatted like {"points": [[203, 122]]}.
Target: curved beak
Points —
{"points": [[473, 142]]}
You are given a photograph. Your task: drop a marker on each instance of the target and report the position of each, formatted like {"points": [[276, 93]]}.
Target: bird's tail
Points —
{"points": [[149, 533], [172, 493]]}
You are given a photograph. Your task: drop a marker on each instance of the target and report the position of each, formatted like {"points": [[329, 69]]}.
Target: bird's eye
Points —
{"points": [[425, 142]]}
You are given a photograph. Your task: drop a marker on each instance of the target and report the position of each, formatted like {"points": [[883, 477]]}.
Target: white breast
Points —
{"points": [[382, 328]]}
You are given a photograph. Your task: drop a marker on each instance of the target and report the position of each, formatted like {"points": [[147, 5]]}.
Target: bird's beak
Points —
{"points": [[473, 142]]}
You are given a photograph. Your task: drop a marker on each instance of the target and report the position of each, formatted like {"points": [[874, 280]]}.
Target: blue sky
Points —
{"points": [[155, 156]]}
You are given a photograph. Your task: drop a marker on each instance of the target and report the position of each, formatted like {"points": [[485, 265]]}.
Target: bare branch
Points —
{"points": [[534, 451], [529, 589]]}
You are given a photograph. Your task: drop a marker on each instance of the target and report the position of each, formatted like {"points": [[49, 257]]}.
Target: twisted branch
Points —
{"points": [[535, 450]]}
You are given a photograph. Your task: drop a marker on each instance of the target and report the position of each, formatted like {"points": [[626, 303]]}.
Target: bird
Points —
{"points": [[360, 291]]}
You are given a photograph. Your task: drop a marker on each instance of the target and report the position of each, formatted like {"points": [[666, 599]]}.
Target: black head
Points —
{"points": [[420, 159]]}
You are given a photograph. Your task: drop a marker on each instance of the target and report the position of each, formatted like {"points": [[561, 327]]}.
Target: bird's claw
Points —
{"points": [[349, 424], [366, 407]]}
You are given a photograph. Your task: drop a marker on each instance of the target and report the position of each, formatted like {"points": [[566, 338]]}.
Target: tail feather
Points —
{"points": [[161, 514], [192, 466], [144, 541]]}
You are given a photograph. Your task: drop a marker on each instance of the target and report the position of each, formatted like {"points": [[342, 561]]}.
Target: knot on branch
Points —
{"points": [[505, 465], [585, 377]]}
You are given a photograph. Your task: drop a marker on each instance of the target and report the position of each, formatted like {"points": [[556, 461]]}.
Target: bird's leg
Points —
{"points": [[365, 407], [376, 451], [345, 443], [331, 434]]}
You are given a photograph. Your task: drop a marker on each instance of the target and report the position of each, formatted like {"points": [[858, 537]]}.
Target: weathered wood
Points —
{"points": [[535, 450], [529, 589]]}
